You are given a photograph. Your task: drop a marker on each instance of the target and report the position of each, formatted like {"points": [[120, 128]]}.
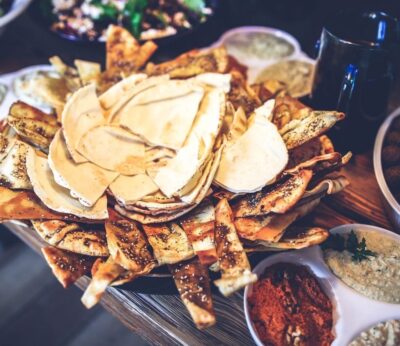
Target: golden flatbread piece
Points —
{"points": [[192, 281], [128, 246], [234, 265], [77, 238], [124, 55], [169, 242], [278, 199], [67, 267], [192, 63]]}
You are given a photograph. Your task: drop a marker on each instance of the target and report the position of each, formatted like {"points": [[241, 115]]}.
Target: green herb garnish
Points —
{"points": [[196, 6], [133, 11], [357, 248]]}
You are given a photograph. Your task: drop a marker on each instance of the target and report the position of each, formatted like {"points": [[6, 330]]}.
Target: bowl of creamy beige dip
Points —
{"points": [[372, 269]]}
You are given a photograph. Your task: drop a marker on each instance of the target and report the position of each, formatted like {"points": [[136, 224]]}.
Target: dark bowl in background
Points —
{"points": [[200, 35]]}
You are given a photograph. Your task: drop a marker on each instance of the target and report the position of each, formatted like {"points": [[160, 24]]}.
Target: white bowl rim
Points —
{"points": [[377, 160], [17, 8], [263, 29]]}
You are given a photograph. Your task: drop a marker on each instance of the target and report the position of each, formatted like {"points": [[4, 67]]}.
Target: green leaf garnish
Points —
{"points": [[358, 249]]}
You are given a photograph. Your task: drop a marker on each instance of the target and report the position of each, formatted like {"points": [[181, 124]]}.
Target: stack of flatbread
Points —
{"points": [[180, 164]]}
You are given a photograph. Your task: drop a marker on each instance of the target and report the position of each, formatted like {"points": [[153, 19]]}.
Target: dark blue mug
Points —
{"points": [[355, 73]]}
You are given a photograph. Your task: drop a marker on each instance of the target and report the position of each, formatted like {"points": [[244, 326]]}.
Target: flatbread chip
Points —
{"points": [[110, 97], [113, 148], [124, 55], [128, 246], [192, 64], [199, 225], [25, 205], [178, 102], [153, 219], [73, 237], [128, 190], [234, 265], [57, 197], [105, 274], [192, 281], [68, 174], [169, 242], [67, 267], [300, 131], [278, 199], [81, 113], [272, 228], [89, 72], [294, 239], [13, 172]]}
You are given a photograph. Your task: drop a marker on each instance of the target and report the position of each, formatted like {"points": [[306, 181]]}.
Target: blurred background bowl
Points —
{"points": [[17, 8], [392, 206]]}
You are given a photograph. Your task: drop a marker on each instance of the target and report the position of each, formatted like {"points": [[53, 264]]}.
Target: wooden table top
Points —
{"points": [[163, 319]]}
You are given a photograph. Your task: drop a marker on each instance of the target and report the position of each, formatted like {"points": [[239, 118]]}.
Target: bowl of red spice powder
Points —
{"points": [[289, 305]]}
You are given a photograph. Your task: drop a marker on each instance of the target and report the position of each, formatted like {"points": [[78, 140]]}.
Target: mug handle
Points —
{"points": [[347, 87]]}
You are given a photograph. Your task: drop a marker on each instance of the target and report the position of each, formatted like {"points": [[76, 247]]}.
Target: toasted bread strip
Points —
{"points": [[234, 265], [103, 275], [33, 125], [124, 53], [192, 281], [25, 205], [192, 63], [67, 267], [311, 125], [199, 226], [128, 246], [271, 228], [278, 200], [169, 242], [82, 239], [293, 239]]}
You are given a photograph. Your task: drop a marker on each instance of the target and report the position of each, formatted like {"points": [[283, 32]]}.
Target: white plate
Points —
{"points": [[353, 312], [8, 80], [254, 65]]}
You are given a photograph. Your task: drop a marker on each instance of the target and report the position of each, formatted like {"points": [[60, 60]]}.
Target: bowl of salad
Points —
{"points": [[88, 20], [9, 10]]}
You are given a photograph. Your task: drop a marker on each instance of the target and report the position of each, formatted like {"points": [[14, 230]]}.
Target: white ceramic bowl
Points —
{"points": [[16, 9], [256, 65], [391, 205], [352, 312]]}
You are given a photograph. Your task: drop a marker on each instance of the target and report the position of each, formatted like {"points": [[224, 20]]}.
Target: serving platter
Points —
{"points": [[353, 312]]}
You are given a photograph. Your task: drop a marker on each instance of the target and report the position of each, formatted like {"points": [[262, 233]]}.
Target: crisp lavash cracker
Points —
{"points": [[124, 94], [180, 175], [112, 95], [163, 115], [254, 159], [169, 242], [67, 266], [129, 189], [78, 238], [128, 246], [13, 172], [81, 113], [114, 149], [88, 71], [57, 197], [69, 174], [32, 125]]}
